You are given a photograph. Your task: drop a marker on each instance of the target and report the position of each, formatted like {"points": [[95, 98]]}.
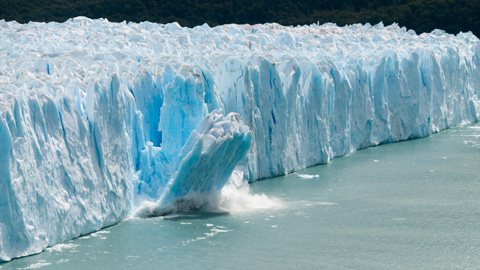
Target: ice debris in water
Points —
{"points": [[99, 120], [308, 176]]}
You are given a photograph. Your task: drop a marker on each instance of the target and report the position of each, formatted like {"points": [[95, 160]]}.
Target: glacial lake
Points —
{"points": [[408, 205]]}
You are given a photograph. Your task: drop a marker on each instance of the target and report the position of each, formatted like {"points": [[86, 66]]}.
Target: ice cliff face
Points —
{"points": [[99, 120]]}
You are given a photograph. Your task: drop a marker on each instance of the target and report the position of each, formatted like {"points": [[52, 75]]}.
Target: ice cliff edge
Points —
{"points": [[97, 118]]}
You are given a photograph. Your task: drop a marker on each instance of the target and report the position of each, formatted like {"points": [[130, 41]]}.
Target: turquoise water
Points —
{"points": [[408, 205]]}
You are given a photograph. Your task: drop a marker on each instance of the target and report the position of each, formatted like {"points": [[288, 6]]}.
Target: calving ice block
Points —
{"points": [[101, 120]]}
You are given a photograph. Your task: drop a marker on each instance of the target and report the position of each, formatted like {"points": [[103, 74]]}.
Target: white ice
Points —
{"points": [[308, 176]]}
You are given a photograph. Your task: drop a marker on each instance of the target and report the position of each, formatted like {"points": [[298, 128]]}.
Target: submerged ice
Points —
{"points": [[101, 120]]}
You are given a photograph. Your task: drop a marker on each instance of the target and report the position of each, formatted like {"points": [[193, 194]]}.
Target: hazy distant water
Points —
{"points": [[409, 205]]}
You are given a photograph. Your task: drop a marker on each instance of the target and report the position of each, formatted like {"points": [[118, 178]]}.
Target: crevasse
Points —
{"points": [[102, 120]]}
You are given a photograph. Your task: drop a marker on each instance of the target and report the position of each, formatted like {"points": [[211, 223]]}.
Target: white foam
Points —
{"points": [[62, 247], [95, 234], [236, 199], [214, 230], [63, 261], [205, 201], [40, 264]]}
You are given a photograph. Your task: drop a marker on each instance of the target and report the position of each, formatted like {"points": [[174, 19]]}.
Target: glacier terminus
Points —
{"points": [[100, 121]]}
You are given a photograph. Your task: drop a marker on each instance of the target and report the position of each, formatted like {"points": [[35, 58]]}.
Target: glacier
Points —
{"points": [[101, 120]]}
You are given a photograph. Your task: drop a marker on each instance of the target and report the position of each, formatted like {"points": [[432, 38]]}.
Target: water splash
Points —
{"points": [[234, 197]]}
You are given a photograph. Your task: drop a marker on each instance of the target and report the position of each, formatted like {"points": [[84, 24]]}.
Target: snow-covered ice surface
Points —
{"points": [[99, 120]]}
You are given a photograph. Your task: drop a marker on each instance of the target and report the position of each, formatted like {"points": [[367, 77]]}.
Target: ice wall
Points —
{"points": [[100, 120]]}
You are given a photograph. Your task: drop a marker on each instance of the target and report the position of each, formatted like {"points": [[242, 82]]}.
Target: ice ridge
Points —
{"points": [[102, 120]]}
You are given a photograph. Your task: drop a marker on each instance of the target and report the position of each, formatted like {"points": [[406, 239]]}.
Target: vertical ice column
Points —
{"points": [[12, 230], [183, 109]]}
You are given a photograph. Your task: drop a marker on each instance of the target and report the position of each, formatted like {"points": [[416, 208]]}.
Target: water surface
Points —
{"points": [[408, 205]]}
